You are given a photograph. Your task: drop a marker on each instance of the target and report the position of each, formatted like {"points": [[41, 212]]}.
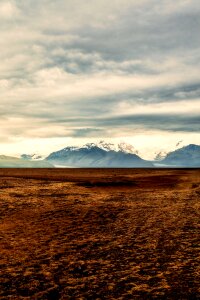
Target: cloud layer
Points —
{"points": [[92, 68]]}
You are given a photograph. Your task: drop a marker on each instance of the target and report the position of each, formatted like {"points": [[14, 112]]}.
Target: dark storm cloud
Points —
{"points": [[166, 122], [88, 132]]}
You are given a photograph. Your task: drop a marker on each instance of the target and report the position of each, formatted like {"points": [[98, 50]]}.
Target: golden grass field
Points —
{"points": [[99, 234]]}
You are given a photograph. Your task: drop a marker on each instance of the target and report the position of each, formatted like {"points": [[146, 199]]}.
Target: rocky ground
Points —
{"points": [[99, 234]]}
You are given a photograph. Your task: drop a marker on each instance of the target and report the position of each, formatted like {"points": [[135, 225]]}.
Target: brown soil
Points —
{"points": [[99, 234]]}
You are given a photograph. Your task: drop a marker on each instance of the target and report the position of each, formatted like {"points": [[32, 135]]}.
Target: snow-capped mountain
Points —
{"points": [[105, 154], [123, 147], [100, 154]]}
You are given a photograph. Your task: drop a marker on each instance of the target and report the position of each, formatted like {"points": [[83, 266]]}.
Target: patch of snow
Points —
{"points": [[123, 147]]}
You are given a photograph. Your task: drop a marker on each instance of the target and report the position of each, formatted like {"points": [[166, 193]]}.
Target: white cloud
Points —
{"points": [[73, 60], [8, 10]]}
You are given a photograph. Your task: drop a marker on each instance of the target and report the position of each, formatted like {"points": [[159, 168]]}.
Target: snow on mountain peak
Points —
{"points": [[71, 148], [127, 148], [90, 145], [106, 146], [123, 147]]}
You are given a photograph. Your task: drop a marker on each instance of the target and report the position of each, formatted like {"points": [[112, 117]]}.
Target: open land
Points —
{"points": [[99, 234]]}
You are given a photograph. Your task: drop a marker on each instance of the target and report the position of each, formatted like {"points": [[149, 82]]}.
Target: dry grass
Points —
{"points": [[99, 234]]}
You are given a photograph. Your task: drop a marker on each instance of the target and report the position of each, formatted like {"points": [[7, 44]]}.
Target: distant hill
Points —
{"points": [[188, 156], [98, 155], [14, 162]]}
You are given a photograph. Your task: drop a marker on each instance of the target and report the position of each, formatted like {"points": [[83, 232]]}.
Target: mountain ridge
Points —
{"points": [[98, 155], [188, 156], [105, 155]]}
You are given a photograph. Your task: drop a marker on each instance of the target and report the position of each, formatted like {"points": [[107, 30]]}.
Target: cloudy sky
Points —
{"points": [[76, 71]]}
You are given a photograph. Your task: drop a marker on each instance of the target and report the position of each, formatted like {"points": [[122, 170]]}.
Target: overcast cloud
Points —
{"points": [[88, 69]]}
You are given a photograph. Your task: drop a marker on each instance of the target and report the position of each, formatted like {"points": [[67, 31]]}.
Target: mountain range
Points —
{"points": [[99, 155], [102, 155], [122, 155]]}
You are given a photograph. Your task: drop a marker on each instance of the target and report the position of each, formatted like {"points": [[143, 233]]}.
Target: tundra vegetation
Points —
{"points": [[99, 234]]}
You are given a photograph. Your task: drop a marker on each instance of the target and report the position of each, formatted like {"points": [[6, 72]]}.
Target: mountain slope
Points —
{"points": [[14, 162], [95, 155], [161, 154], [188, 156]]}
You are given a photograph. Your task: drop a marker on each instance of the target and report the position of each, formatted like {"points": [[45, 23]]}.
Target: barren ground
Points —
{"points": [[99, 234]]}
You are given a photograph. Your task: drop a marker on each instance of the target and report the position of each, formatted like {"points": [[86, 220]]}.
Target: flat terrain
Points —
{"points": [[99, 234]]}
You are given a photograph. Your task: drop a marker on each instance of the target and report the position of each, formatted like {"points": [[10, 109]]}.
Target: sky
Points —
{"points": [[78, 71]]}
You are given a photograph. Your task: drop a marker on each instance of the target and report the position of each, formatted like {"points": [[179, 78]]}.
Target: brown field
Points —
{"points": [[99, 234]]}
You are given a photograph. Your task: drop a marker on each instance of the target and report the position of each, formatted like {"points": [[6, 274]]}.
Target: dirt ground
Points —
{"points": [[99, 234]]}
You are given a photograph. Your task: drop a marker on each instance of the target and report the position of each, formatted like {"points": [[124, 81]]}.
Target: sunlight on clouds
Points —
{"points": [[8, 10], [77, 70]]}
